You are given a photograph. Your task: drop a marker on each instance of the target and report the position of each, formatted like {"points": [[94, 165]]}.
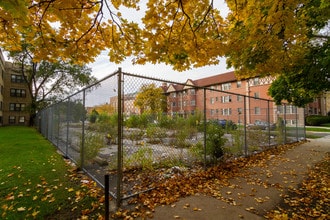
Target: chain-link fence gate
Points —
{"points": [[138, 130]]}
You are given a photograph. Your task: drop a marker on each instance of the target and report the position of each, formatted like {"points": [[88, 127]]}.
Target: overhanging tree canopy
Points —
{"points": [[257, 37]]}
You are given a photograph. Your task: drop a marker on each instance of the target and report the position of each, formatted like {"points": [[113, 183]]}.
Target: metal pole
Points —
{"points": [[120, 148], [284, 123], [106, 196], [83, 134], [268, 119], [297, 131], [67, 128], [204, 129], [245, 133]]}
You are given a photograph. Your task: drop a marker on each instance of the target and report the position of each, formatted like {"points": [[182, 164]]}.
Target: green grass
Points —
{"points": [[316, 129], [36, 182]]}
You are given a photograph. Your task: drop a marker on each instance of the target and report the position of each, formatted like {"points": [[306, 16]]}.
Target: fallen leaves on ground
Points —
{"points": [[310, 200], [169, 190], [43, 192]]}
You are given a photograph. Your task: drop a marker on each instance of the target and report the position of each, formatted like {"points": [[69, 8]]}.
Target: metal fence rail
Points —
{"points": [[106, 131]]}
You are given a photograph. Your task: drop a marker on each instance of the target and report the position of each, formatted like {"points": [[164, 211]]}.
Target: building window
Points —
{"points": [[239, 84], [239, 98], [17, 92], [192, 91], [212, 112], [184, 103], [212, 100], [173, 94], [291, 109], [239, 110], [12, 119], [226, 86], [17, 78], [16, 107], [173, 104], [256, 95], [192, 102], [257, 110], [256, 81], [226, 111], [21, 119], [225, 99]]}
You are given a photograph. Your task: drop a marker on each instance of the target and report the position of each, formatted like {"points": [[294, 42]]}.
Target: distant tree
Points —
{"points": [[49, 82], [104, 109], [151, 99]]}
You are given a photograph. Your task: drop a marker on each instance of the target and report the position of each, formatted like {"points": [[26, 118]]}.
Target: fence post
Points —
{"points": [[120, 148], [245, 133], [284, 123], [297, 128], [83, 134], [106, 196], [67, 128], [268, 119], [204, 128]]}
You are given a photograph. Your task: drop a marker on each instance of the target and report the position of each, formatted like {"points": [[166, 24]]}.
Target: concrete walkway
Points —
{"points": [[253, 193]]}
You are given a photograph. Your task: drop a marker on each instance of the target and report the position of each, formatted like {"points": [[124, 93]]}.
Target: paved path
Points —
{"points": [[251, 195]]}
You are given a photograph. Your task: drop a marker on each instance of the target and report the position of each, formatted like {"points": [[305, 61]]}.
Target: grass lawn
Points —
{"points": [[316, 129], [37, 183]]}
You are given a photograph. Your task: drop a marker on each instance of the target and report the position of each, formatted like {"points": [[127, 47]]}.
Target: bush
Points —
{"points": [[155, 134], [316, 120], [215, 141]]}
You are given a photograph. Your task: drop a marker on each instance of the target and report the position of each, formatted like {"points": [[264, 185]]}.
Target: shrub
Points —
{"points": [[93, 143], [155, 134], [316, 120], [215, 141], [142, 158]]}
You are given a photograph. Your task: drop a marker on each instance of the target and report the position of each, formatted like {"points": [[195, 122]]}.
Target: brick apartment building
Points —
{"points": [[14, 97], [226, 97]]}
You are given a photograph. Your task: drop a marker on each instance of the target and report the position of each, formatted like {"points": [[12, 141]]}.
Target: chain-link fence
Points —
{"points": [[139, 130]]}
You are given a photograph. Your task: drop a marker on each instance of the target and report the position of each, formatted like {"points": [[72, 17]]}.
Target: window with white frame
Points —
{"points": [[212, 100], [226, 111], [17, 78], [192, 91], [12, 119], [193, 102], [21, 119], [256, 95], [256, 81], [17, 92], [16, 107], [239, 98], [239, 84], [225, 99], [226, 86], [290, 109]]}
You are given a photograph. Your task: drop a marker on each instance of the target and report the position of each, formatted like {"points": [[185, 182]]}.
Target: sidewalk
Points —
{"points": [[255, 192]]}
